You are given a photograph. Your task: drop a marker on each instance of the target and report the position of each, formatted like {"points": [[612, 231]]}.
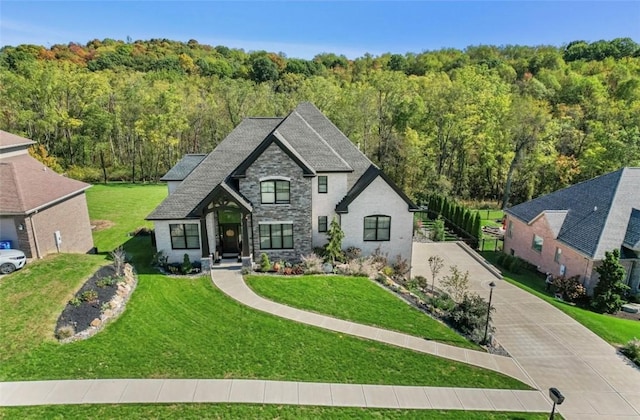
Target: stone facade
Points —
{"points": [[274, 163]]}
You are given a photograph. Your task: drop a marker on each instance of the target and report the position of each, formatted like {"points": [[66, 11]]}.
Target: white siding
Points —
{"points": [[163, 241], [379, 199], [325, 204]]}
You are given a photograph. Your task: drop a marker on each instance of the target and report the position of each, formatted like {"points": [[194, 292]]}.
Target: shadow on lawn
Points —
{"points": [[139, 251]]}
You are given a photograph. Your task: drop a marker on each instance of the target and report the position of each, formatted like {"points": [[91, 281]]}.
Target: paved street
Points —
{"points": [[554, 350]]}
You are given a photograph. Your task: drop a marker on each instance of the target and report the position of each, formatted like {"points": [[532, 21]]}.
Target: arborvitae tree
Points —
{"points": [[610, 290], [458, 216], [477, 226], [467, 221], [334, 247]]}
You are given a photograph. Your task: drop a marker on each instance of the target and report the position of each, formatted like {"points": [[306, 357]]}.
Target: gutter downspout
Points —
{"points": [[35, 236]]}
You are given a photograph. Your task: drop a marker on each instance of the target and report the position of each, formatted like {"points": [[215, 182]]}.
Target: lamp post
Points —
{"points": [[557, 398], [486, 327]]}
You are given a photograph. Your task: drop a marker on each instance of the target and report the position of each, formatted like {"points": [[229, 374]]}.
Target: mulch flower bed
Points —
{"points": [[100, 298]]}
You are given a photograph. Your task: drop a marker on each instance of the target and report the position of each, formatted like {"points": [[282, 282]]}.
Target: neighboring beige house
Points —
{"points": [[568, 231], [41, 212], [272, 186]]}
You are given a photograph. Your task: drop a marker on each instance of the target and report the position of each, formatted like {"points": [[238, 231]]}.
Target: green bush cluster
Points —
{"points": [[632, 351], [511, 263], [463, 220]]}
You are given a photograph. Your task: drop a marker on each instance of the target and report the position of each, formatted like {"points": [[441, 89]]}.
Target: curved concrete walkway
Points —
{"points": [[228, 279], [553, 348]]}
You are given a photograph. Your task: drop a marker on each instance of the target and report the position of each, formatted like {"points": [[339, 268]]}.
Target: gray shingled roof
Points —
{"points": [[632, 236], [306, 133], [215, 168], [598, 211], [336, 139], [184, 167]]}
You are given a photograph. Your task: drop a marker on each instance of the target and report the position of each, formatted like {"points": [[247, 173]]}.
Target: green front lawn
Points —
{"points": [[355, 299], [245, 411], [123, 205], [186, 328], [614, 330]]}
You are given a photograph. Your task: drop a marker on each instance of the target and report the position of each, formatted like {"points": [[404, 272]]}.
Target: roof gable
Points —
{"points": [[214, 169], [361, 185], [274, 138]]}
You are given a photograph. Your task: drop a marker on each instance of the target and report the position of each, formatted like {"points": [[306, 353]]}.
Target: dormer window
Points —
{"points": [[274, 192]]}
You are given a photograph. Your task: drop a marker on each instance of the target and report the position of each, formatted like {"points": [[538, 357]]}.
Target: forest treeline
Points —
{"points": [[492, 123]]}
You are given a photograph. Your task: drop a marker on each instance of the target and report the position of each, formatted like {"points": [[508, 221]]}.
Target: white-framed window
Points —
{"points": [[322, 223], [323, 184], [185, 236], [557, 256], [536, 243], [275, 192], [276, 236], [377, 228]]}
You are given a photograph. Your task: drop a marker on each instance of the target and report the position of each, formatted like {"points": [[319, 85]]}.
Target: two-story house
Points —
{"points": [[567, 232], [273, 186]]}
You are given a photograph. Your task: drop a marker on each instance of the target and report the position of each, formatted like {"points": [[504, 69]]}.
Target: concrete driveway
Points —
{"points": [[551, 347]]}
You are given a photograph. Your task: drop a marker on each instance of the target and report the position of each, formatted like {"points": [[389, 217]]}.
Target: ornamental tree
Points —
{"points": [[608, 293]]}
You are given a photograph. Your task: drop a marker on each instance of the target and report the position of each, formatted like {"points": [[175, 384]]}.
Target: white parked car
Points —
{"points": [[11, 260]]}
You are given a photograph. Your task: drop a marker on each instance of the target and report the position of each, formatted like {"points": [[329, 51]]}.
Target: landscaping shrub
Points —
{"points": [[334, 246], [265, 264], [443, 303], [437, 234], [608, 293], [65, 331], [311, 264], [352, 253], [470, 316], [387, 271], [632, 351], [515, 264], [89, 296], [186, 264], [400, 268], [420, 282], [570, 288]]}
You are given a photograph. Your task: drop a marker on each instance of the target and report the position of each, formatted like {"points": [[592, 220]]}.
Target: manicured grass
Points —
{"points": [[614, 330], [31, 299], [199, 411], [125, 205], [355, 299], [185, 328], [490, 217]]}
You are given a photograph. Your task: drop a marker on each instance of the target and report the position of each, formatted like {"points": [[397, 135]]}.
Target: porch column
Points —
{"points": [[204, 238], [245, 235]]}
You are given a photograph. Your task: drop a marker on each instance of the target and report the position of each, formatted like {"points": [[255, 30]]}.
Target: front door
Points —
{"points": [[230, 238]]}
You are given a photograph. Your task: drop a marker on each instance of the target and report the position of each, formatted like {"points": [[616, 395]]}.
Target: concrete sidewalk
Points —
{"points": [[121, 391], [553, 348], [227, 278]]}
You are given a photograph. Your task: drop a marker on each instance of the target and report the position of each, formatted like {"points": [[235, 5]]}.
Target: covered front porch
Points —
{"points": [[225, 225]]}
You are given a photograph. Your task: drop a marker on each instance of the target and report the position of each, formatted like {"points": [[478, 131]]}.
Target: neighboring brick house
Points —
{"points": [[273, 186], [41, 212], [568, 231]]}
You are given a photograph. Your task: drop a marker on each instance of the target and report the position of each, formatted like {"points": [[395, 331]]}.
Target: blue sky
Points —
{"points": [[306, 28]]}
